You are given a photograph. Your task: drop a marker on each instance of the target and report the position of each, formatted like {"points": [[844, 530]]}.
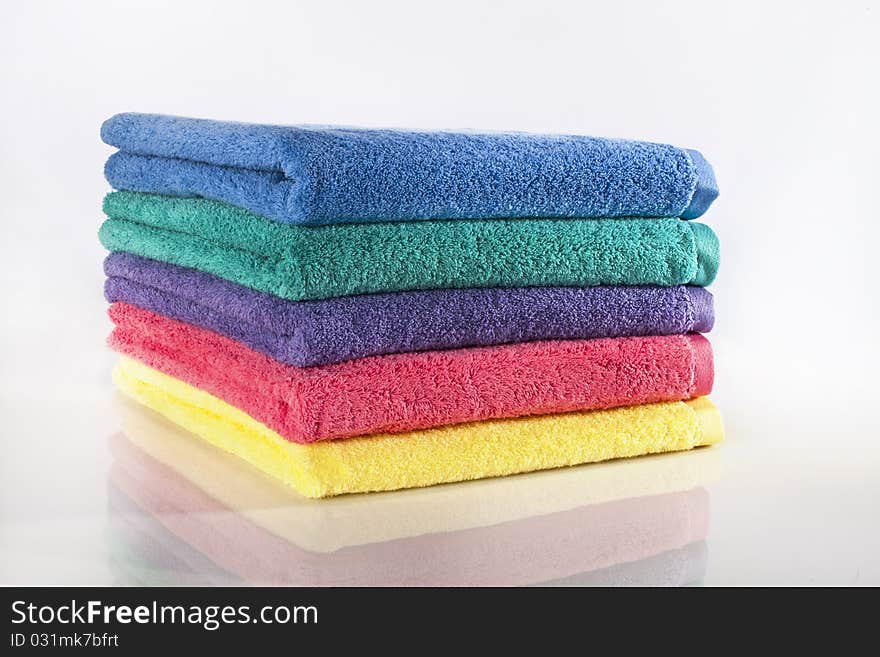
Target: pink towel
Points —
{"points": [[404, 392]]}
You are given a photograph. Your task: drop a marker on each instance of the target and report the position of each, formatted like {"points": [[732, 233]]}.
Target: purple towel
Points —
{"points": [[305, 333]]}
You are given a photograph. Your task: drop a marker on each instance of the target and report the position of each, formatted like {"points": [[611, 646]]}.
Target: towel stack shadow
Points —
{"points": [[353, 310]]}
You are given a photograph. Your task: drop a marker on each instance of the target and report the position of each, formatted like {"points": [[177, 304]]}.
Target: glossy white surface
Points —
{"points": [[779, 98]]}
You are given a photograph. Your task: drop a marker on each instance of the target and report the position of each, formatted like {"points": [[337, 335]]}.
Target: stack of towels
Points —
{"points": [[355, 310]]}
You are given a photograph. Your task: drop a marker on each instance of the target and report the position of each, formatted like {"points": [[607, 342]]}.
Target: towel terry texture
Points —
{"points": [[305, 333], [404, 392], [330, 524], [296, 262], [319, 175], [520, 552], [456, 453]]}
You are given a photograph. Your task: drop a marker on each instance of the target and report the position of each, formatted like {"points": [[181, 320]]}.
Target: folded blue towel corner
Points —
{"points": [[315, 175]]}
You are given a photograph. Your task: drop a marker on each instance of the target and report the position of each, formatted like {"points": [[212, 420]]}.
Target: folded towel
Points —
{"points": [[330, 524], [422, 458], [403, 392], [305, 333], [319, 175], [680, 567], [524, 551], [296, 262]]}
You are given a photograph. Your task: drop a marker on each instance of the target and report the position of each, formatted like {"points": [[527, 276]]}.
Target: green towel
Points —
{"points": [[299, 262]]}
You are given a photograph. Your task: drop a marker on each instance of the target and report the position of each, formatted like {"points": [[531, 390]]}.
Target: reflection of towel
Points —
{"points": [[316, 263], [139, 542], [319, 175], [524, 551], [305, 333], [686, 565], [329, 524], [456, 453], [421, 390]]}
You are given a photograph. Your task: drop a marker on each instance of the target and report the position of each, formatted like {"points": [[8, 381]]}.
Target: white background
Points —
{"points": [[782, 98]]}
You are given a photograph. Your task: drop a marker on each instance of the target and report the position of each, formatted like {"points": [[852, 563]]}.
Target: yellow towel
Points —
{"points": [[422, 458], [348, 520]]}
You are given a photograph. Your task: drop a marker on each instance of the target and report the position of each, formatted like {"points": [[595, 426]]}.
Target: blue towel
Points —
{"points": [[313, 175]]}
